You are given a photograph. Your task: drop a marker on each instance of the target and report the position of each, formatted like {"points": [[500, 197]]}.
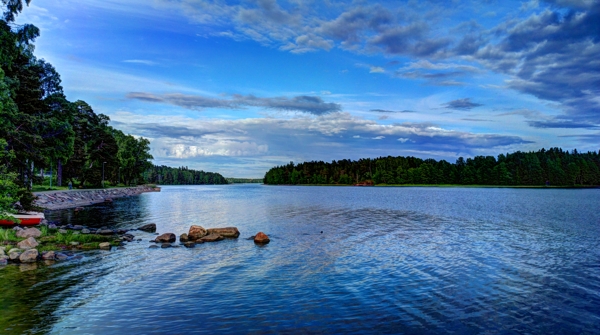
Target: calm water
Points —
{"points": [[388, 260]]}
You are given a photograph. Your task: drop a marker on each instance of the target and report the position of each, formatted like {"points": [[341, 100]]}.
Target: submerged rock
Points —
{"points": [[183, 237], [189, 244], [165, 245], [150, 228], [196, 232], [165, 238], [261, 238], [60, 256], [211, 238], [154, 246], [225, 232]]}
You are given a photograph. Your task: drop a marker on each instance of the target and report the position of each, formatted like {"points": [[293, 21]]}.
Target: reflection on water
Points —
{"points": [[341, 259]]}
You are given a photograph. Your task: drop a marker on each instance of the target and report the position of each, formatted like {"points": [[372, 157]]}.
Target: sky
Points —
{"points": [[238, 87]]}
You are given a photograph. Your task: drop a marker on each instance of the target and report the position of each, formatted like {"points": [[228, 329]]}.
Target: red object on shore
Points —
{"points": [[27, 219]]}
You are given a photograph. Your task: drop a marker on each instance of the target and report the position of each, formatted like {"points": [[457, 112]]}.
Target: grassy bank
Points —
{"points": [[52, 239]]}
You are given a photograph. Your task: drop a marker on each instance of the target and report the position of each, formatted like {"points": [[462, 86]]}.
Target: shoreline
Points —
{"points": [[54, 200]]}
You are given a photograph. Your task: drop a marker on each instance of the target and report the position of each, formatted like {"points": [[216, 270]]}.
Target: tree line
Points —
{"points": [[555, 167], [165, 175], [40, 130]]}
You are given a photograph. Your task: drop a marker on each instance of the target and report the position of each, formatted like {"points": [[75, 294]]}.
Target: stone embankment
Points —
{"points": [[80, 198]]}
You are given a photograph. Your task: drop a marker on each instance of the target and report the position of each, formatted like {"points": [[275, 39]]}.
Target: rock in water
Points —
{"points": [[104, 245], [211, 238], [225, 232], [165, 245], [150, 228], [196, 232], [29, 256], [48, 255], [189, 244], [28, 243], [153, 246], [165, 238], [261, 238], [183, 238], [29, 232]]}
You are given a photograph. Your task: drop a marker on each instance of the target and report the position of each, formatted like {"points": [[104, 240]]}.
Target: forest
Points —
{"points": [[553, 167], [165, 175]]}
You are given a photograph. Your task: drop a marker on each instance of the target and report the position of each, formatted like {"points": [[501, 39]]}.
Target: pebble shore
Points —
{"points": [[79, 198]]}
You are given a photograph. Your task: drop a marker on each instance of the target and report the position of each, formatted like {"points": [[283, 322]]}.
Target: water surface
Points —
{"points": [[341, 260]]}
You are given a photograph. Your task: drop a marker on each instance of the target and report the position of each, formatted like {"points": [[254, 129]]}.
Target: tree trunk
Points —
{"points": [[59, 173]]}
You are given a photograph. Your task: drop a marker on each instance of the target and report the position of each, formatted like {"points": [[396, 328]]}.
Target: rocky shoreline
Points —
{"points": [[79, 198]]}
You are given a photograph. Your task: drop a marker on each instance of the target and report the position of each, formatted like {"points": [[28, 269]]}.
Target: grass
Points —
{"points": [[53, 240]]}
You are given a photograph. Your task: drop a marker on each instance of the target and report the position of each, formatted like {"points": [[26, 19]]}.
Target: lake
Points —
{"points": [[341, 260]]}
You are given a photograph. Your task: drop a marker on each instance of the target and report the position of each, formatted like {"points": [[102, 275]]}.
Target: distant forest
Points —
{"points": [[555, 167], [165, 175], [245, 180]]}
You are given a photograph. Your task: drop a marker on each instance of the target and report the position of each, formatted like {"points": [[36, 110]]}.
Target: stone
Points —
{"points": [[29, 232], [150, 228], [3, 260], [29, 256], [3, 248], [165, 245], [122, 231], [2, 253], [29, 243], [14, 255], [48, 255], [154, 246], [74, 244], [52, 226], [17, 228], [105, 232], [196, 232], [189, 244], [261, 238], [60, 256], [104, 245], [85, 231], [15, 250], [183, 237], [77, 227], [76, 233], [225, 232], [166, 238], [62, 231], [211, 238]]}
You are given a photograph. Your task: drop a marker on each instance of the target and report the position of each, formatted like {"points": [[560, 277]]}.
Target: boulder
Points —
{"points": [[183, 238], [60, 256], [29, 232], [211, 238], [196, 232], [189, 244], [225, 232], [14, 255], [17, 228], [151, 228], [165, 245], [29, 243], [165, 238], [104, 245], [261, 238], [48, 255], [105, 232], [14, 250], [85, 231], [29, 256]]}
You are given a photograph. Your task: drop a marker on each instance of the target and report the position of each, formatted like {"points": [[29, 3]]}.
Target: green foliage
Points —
{"points": [[9, 235], [553, 167], [8, 187], [164, 175]]}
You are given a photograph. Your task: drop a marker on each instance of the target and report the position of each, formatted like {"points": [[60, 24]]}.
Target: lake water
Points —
{"points": [[341, 260]]}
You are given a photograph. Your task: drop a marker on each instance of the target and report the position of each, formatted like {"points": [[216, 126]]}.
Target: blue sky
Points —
{"points": [[237, 87]]}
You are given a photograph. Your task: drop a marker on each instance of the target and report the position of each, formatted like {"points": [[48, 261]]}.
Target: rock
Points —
{"points": [[28, 243], [105, 232], [48, 255], [62, 231], [3, 248], [183, 237], [29, 232], [74, 244], [189, 244], [2, 253], [77, 227], [166, 237], [85, 231], [175, 246], [29, 256], [60, 256], [154, 246], [122, 231], [3, 260], [225, 232], [104, 245], [14, 250], [150, 228], [196, 232], [14, 255], [52, 226], [77, 209], [165, 245], [211, 238], [17, 228], [76, 233], [261, 238]]}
